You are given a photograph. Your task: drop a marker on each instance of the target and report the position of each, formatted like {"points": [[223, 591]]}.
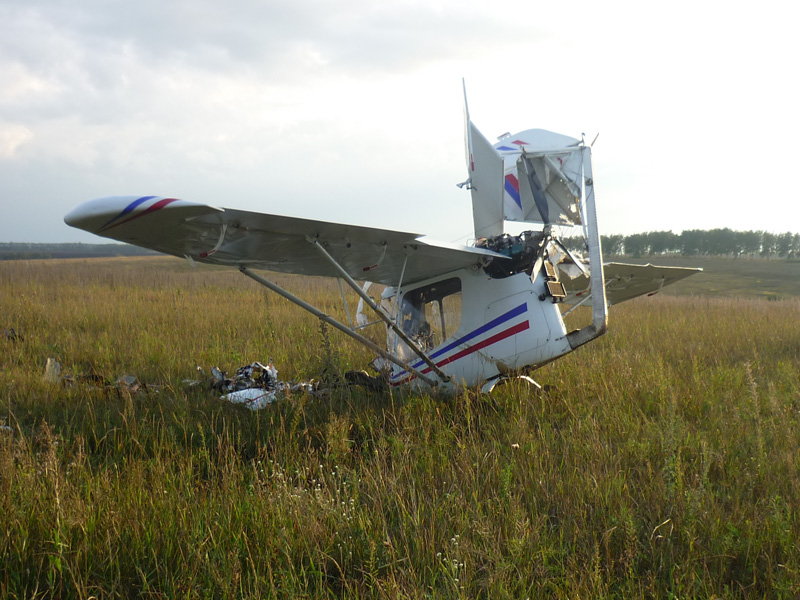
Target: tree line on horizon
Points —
{"points": [[690, 242], [698, 242]]}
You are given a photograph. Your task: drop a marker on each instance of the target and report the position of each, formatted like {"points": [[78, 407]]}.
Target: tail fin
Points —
{"points": [[485, 170]]}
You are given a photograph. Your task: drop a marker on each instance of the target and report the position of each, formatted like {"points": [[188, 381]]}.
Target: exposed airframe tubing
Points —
{"points": [[331, 321], [380, 312]]}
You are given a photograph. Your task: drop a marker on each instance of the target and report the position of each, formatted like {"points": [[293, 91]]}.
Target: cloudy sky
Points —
{"points": [[351, 110]]}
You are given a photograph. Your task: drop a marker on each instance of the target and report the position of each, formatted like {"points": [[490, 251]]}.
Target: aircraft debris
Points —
{"points": [[253, 398], [128, 383], [257, 385], [52, 371], [364, 379], [254, 375], [254, 385], [12, 335]]}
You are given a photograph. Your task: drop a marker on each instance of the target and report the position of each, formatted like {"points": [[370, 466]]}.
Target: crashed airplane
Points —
{"points": [[455, 315]]}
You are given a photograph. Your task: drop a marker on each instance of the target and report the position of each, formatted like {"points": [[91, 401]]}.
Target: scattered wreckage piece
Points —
{"points": [[12, 335], [254, 385], [53, 373], [254, 375], [252, 398]]}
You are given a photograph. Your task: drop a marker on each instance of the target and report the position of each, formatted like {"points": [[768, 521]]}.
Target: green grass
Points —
{"points": [[663, 461]]}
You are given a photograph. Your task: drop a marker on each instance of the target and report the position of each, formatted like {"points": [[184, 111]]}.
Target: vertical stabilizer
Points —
{"points": [[485, 168], [486, 185]]}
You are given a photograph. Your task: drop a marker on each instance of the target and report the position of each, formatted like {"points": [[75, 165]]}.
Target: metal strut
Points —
{"points": [[341, 327], [380, 312], [596, 275]]}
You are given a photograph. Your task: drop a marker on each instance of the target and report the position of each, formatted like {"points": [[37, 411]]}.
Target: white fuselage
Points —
{"points": [[504, 327]]}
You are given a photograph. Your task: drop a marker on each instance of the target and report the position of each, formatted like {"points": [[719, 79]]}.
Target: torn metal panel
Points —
{"points": [[253, 398]]}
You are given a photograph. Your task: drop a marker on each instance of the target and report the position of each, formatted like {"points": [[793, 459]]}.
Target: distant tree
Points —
{"points": [[748, 242], [612, 244], [783, 244], [692, 242], [768, 244], [636, 244], [661, 242], [720, 242]]}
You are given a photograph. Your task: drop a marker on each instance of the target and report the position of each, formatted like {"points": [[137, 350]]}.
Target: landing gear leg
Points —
{"points": [[492, 384]]}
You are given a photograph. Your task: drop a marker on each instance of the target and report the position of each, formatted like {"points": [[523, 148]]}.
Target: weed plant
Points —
{"points": [[662, 462]]}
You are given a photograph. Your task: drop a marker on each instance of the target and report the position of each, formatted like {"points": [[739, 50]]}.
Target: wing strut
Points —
{"points": [[331, 321], [380, 312]]}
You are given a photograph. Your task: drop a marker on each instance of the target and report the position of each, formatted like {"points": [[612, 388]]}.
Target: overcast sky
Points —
{"points": [[351, 110]]}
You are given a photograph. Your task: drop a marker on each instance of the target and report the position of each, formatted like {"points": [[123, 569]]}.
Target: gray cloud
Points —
{"points": [[266, 39], [212, 98]]}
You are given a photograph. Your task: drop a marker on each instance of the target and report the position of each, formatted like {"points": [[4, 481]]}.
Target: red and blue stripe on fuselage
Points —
{"points": [[446, 358]]}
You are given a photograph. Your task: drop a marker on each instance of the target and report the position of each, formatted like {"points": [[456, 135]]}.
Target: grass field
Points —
{"points": [[662, 462]]}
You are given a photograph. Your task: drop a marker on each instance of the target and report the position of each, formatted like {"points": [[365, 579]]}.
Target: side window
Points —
{"points": [[431, 314]]}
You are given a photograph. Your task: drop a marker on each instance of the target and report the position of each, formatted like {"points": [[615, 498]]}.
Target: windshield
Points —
{"points": [[428, 315]]}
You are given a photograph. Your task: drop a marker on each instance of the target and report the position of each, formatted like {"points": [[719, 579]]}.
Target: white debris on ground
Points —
{"points": [[253, 386], [254, 398], [52, 371]]}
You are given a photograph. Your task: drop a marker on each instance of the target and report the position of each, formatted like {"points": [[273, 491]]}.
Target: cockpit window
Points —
{"points": [[429, 315]]}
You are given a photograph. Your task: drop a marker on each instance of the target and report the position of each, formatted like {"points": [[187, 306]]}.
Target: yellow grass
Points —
{"points": [[662, 462]]}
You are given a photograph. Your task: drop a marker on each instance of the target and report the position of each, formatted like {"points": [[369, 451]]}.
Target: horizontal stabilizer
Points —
{"points": [[625, 281]]}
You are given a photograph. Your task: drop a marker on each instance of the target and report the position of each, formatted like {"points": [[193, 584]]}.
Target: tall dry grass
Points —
{"points": [[662, 462]]}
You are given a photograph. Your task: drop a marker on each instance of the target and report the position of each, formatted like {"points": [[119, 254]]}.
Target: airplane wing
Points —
{"points": [[237, 238], [624, 281]]}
